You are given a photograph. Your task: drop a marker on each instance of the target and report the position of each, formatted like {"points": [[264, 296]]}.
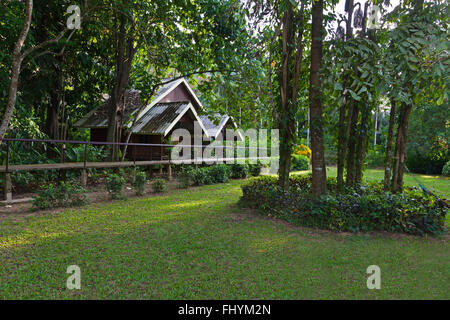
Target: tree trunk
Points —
{"points": [[387, 164], [288, 79], [400, 148], [351, 150], [125, 51], [361, 146], [15, 70], [342, 136], [342, 144], [315, 102]]}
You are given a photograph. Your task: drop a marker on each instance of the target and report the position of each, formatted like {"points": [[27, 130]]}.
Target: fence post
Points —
{"points": [[84, 171], [169, 169], [8, 187]]}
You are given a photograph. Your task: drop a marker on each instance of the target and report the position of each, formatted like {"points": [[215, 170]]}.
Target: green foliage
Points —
{"points": [[366, 208], [446, 169], [186, 177], [63, 194], [203, 176], [215, 174], [239, 171], [139, 182], [219, 173], [254, 169], [431, 161], [299, 162], [75, 153], [159, 185], [376, 157], [114, 185]]}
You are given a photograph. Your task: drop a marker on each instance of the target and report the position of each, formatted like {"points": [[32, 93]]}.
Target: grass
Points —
{"points": [[196, 244], [437, 184]]}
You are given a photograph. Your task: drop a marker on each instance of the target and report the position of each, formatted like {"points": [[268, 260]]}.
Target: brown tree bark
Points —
{"points": [[315, 102], [288, 78], [125, 51], [342, 136], [361, 146], [342, 144], [15, 70], [351, 146], [56, 100], [400, 148], [387, 164]]}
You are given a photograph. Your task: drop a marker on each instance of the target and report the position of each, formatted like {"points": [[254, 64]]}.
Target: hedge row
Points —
{"points": [[366, 208], [216, 174]]}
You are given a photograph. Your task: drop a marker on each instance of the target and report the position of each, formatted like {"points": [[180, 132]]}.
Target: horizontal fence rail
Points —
{"points": [[158, 148]]}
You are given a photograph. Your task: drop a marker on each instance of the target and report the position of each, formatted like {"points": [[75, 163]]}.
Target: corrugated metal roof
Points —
{"points": [[213, 129], [98, 118], [159, 118]]}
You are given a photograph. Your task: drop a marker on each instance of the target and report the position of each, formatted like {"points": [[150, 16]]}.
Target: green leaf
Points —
{"points": [[354, 95]]}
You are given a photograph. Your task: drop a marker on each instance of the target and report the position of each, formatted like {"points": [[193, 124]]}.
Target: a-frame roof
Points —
{"points": [[163, 116]]}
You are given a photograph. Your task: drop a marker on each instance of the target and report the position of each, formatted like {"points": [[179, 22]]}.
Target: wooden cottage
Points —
{"points": [[174, 106]]}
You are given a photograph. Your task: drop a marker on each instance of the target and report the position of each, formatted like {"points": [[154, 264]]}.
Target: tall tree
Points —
{"points": [[288, 78], [17, 57], [315, 102]]}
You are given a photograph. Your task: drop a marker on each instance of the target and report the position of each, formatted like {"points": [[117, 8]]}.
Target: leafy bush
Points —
{"points": [[186, 177], [159, 185], [425, 163], [219, 173], [366, 208], [254, 169], [446, 169], [75, 153], [299, 162], [375, 157], [139, 182], [202, 176], [64, 194], [239, 171], [114, 185], [430, 160], [302, 150]]}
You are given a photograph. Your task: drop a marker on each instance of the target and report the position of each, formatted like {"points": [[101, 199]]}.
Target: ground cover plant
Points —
{"points": [[366, 207], [62, 194]]}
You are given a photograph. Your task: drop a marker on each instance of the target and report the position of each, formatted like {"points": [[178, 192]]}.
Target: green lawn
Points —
{"points": [[438, 184], [196, 243]]}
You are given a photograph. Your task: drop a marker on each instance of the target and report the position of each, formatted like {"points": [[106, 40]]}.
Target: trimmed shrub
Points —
{"points": [[239, 171], [366, 208], [114, 185], [202, 176], [254, 169], [139, 182], [219, 173], [186, 177], [446, 169], [299, 162], [159, 185], [64, 194]]}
